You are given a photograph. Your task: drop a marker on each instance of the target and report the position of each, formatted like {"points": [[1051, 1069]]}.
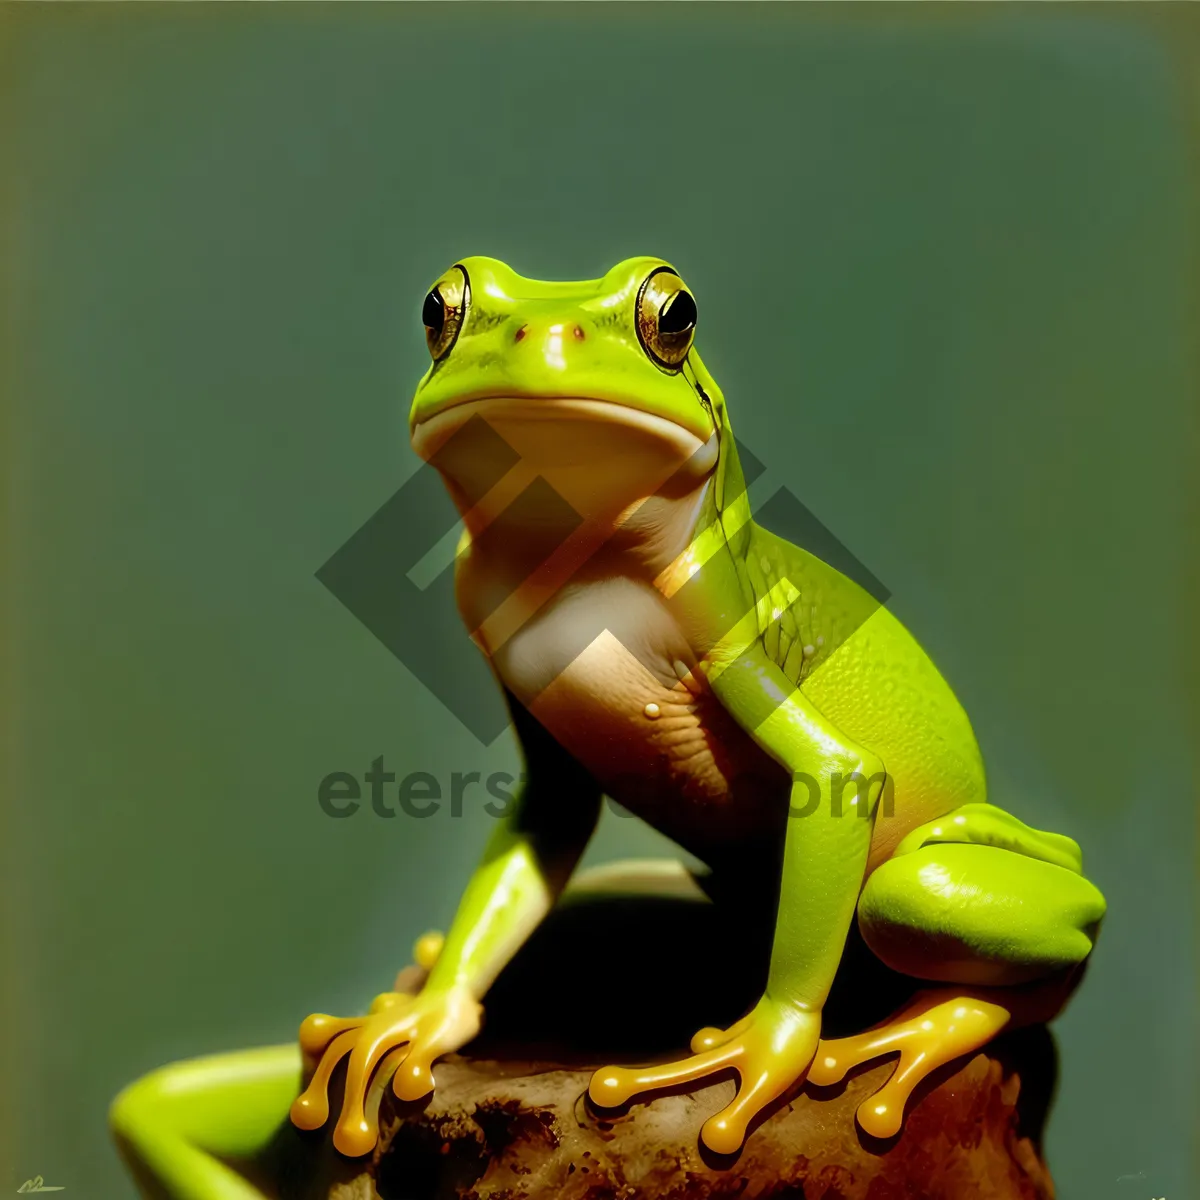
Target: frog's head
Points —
{"points": [[595, 386]]}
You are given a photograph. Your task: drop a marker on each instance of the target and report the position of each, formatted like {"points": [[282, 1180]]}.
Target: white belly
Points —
{"points": [[599, 666]]}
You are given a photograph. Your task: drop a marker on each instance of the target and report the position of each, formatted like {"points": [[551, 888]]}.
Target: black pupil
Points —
{"points": [[680, 314], [433, 313]]}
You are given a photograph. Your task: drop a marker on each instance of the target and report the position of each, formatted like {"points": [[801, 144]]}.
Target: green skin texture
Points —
{"points": [[1009, 901]]}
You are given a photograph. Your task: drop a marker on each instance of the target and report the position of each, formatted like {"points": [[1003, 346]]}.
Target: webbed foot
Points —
{"points": [[399, 1039], [930, 1032], [770, 1049]]}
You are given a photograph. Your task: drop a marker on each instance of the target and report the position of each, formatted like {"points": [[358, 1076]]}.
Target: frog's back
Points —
{"points": [[863, 669]]}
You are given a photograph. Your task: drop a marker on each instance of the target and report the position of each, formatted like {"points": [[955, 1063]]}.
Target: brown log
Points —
{"points": [[510, 1120]]}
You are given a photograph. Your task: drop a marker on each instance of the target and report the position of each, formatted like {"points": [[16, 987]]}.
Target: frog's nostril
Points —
{"points": [[579, 334], [520, 333]]}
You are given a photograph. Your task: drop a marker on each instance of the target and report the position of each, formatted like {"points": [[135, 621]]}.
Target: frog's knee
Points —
{"points": [[986, 825], [977, 914]]}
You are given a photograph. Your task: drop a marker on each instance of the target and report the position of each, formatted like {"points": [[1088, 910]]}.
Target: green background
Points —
{"points": [[946, 267]]}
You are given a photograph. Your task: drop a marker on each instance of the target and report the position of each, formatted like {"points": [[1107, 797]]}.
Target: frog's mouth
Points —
{"points": [[431, 432], [563, 426], [597, 454]]}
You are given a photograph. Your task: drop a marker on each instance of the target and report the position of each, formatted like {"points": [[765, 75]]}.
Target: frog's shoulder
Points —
{"points": [[806, 607]]}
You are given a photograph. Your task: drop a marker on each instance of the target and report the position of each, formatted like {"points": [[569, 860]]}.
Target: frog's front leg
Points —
{"points": [[979, 900], [525, 867], [835, 787]]}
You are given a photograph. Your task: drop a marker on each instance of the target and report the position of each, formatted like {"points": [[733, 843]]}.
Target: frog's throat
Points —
{"points": [[547, 462]]}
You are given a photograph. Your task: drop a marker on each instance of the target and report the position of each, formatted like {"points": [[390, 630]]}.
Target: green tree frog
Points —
{"points": [[656, 645]]}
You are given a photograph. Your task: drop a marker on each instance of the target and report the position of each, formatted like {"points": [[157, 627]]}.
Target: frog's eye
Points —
{"points": [[666, 318], [444, 310]]}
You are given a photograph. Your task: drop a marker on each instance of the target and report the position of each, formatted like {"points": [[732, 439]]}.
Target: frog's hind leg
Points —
{"points": [[974, 899], [178, 1123], [978, 897]]}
